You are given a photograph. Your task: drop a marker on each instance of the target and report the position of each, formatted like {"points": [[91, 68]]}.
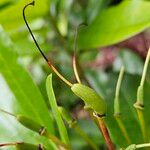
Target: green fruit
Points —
{"points": [[27, 146], [91, 98], [31, 124]]}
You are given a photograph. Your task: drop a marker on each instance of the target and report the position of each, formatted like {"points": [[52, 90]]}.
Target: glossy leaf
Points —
{"points": [[116, 24]]}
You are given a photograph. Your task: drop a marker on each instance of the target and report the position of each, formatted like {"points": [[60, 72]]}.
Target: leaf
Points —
{"points": [[116, 24], [14, 20], [5, 4], [52, 100], [28, 99]]}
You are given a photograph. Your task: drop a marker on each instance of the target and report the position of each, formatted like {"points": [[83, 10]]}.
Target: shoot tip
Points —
{"points": [[32, 3]]}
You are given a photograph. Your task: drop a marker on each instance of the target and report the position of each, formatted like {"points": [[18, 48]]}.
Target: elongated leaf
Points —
{"points": [[116, 23], [28, 99], [53, 103]]}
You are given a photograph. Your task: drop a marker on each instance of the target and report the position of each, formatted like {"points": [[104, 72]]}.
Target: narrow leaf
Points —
{"points": [[55, 111]]}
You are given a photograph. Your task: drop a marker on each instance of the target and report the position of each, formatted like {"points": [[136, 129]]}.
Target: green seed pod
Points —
{"points": [[91, 98], [131, 147], [31, 124], [27, 146]]}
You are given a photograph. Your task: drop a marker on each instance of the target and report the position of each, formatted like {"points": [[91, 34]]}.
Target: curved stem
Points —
{"points": [[117, 113], [75, 51], [116, 100], [119, 81], [59, 75], [145, 68], [10, 144], [40, 50], [75, 69]]}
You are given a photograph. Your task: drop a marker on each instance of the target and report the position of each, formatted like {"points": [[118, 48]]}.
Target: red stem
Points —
{"points": [[105, 134], [9, 144]]}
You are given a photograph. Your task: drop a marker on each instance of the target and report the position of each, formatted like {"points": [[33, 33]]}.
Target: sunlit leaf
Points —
{"points": [[14, 17], [116, 24]]}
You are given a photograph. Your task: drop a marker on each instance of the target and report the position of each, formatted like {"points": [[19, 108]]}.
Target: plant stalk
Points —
{"points": [[145, 68], [8, 144], [105, 133], [116, 100], [142, 124], [117, 113], [139, 105], [75, 69]]}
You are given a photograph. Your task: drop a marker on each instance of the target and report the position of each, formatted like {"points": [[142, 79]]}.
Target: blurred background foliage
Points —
{"points": [[117, 34]]}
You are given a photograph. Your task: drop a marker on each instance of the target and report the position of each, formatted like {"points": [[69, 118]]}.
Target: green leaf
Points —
{"points": [[55, 111], [14, 17], [28, 100], [116, 24]]}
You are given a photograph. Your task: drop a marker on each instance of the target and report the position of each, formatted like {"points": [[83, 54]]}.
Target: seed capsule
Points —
{"points": [[31, 124], [27, 146], [90, 97], [34, 126]]}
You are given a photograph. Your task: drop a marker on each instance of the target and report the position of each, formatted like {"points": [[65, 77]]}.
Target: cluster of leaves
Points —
{"points": [[53, 24]]}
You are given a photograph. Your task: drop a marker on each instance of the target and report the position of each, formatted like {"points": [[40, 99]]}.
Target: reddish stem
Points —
{"points": [[105, 134], [9, 144]]}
